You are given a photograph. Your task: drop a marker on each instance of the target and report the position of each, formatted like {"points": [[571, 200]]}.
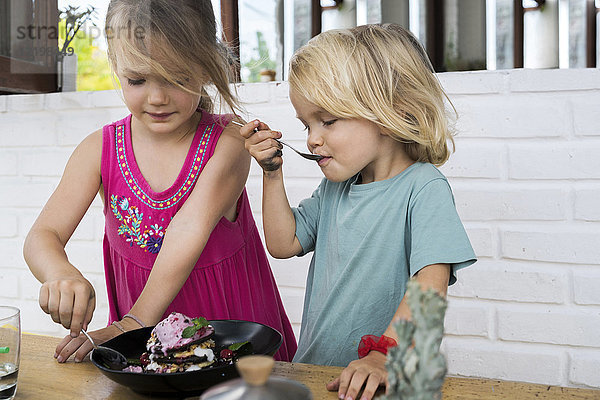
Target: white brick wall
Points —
{"points": [[526, 179]]}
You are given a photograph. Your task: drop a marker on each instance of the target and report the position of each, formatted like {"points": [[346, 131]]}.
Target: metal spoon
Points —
{"points": [[109, 357], [308, 156]]}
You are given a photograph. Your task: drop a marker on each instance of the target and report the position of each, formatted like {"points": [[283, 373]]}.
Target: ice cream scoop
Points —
{"points": [[169, 333]]}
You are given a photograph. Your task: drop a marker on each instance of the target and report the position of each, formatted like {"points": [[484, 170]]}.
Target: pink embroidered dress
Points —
{"points": [[231, 279]]}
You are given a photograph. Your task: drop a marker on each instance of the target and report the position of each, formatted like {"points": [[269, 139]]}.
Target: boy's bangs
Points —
{"points": [[318, 84]]}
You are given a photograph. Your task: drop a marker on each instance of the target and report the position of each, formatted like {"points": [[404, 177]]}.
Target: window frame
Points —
{"points": [[39, 75]]}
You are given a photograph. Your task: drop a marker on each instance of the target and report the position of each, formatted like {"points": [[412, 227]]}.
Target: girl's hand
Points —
{"points": [[70, 302], [262, 146], [369, 371], [81, 346]]}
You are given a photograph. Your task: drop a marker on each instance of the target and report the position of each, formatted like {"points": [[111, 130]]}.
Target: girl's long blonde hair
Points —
{"points": [[172, 39], [380, 73]]}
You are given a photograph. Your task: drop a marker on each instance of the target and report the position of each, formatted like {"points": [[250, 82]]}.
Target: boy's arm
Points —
{"points": [[370, 370], [435, 276], [279, 223]]}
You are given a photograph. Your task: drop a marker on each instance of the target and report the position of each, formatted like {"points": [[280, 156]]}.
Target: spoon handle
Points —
{"points": [[305, 155], [89, 338], [240, 124], [308, 156]]}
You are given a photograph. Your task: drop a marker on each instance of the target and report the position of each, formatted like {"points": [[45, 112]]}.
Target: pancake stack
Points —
{"points": [[179, 343]]}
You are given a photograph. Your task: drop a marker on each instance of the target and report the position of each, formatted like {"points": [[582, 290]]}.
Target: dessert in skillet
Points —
{"points": [[179, 343]]}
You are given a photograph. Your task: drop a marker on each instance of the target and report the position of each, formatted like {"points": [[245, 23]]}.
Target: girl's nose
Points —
{"points": [[157, 94]]}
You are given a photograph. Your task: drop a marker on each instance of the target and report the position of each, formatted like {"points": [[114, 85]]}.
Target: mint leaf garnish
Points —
{"points": [[199, 323], [188, 332], [236, 346]]}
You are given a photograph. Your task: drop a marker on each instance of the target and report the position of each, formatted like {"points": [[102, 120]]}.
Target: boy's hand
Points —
{"points": [[369, 371], [261, 145], [70, 302]]}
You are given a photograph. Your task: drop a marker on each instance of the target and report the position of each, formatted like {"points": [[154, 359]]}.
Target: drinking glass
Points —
{"points": [[10, 346]]}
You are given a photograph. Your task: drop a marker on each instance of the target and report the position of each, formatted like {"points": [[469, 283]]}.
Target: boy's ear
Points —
{"points": [[384, 131]]}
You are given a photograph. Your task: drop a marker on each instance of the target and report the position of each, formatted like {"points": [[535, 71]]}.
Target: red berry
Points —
{"points": [[226, 353], [144, 359]]}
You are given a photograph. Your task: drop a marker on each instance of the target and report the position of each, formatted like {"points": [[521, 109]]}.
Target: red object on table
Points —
{"points": [[378, 343]]}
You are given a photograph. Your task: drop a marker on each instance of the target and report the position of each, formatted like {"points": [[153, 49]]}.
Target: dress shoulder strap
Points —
{"points": [[214, 123], [107, 162]]}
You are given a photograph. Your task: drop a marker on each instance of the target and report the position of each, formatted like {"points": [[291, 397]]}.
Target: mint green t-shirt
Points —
{"points": [[368, 240]]}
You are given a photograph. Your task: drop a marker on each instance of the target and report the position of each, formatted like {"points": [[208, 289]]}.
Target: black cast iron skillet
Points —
{"points": [[264, 339]]}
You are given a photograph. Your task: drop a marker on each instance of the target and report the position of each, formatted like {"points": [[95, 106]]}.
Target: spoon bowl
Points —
{"points": [[109, 357], [308, 156]]}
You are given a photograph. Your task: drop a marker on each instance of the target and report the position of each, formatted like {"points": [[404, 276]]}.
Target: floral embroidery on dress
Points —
{"points": [[150, 239], [180, 192]]}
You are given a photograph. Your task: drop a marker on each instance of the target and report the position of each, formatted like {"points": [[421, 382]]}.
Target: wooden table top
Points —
{"points": [[41, 377]]}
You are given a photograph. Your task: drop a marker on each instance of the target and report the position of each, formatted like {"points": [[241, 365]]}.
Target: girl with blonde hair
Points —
{"points": [[179, 232], [376, 113]]}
